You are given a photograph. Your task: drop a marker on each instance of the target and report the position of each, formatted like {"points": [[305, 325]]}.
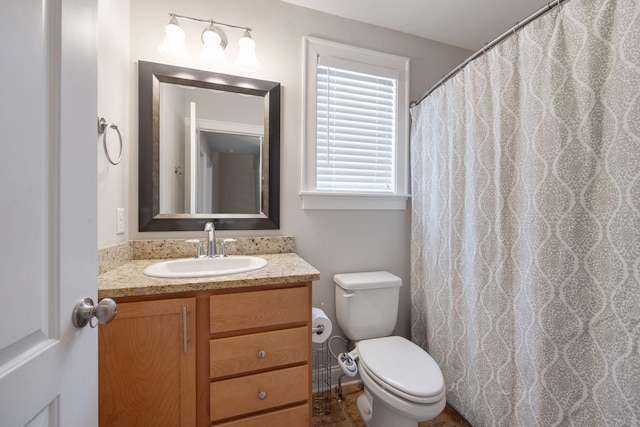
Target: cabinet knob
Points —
{"points": [[262, 354], [262, 395]]}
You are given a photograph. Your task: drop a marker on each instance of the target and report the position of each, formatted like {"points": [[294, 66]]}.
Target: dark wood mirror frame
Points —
{"points": [[150, 75]]}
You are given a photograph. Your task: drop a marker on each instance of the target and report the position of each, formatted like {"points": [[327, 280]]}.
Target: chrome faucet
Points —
{"points": [[211, 239]]}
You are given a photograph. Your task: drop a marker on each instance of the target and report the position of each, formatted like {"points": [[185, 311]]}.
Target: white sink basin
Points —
{"points": [[203, 267]]}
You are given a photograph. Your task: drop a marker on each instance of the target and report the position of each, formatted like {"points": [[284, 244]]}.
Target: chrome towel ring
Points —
{"points": [[103, 127]]}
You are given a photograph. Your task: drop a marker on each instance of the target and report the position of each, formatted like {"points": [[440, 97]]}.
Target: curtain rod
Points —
{"points": [[490, 45]]}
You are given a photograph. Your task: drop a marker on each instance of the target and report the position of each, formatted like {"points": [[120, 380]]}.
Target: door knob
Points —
{"points": [[84, 312]]}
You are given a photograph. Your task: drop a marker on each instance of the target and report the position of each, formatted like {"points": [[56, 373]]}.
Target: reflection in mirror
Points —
{"points": [[228, 173], [209, 150]]}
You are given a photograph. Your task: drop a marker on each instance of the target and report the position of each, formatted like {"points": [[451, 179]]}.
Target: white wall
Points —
{"points": [[114, 105], [228, 107], [332, 241], [172, 148]]}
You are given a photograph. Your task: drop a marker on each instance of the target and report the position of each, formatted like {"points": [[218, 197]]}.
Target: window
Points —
{"points": [[356, 122]]}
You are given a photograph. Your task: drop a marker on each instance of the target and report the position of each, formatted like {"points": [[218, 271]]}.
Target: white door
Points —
{"points": [[192, 155], [48, 101]]}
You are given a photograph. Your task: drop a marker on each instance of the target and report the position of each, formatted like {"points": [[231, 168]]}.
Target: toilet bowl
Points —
{"points": [[402, 383]]}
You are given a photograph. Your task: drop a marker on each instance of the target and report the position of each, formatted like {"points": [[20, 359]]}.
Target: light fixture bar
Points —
{"points": [[214, 41], [209, 21]]}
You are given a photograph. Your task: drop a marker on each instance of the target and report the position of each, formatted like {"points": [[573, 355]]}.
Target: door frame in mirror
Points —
{"points": [[150, 75]]}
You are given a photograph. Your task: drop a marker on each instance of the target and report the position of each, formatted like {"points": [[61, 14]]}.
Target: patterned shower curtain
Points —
{"points": [[526, 223]]}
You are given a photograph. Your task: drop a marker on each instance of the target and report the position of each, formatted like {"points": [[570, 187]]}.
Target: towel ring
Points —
{"points": [[103, 126]]}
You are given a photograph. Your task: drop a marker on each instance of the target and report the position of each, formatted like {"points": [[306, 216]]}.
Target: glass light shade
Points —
{"points": [[212, 50], [247, 60], [173, 47]]}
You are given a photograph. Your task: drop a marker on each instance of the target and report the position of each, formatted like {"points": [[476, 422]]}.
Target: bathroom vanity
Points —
{"points": [[231, 350]]}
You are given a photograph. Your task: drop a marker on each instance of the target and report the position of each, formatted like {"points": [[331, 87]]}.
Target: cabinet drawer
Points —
{"points": [[254, 352], [246, 310], [297, 416], [238, 396]]}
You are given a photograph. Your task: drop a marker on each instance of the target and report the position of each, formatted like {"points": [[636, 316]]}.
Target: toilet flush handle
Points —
{"points": [[348, 295]]}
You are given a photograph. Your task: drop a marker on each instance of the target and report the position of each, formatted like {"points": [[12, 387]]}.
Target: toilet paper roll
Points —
{"points": [[319, 319]]}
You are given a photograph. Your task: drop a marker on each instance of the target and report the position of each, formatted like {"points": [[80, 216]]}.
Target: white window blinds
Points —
{"points": [[356, 131]]}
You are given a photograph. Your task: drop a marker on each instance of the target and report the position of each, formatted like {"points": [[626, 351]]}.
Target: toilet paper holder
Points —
{"points": [[320, 325]]}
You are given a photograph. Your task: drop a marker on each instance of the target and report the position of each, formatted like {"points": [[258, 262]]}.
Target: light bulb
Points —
{"points": [[247, 59], [173, 47], [212, 47]]}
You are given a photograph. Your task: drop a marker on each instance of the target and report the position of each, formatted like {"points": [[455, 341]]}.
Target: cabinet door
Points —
{"points": [[147, 365]]}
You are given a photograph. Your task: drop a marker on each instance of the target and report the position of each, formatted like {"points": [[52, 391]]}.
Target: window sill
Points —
{"points": [[313, 200]]}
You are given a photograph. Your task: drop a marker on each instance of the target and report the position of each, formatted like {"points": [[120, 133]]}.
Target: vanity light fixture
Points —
{"points": [[173, 47], [214, 42], [247, 59]]}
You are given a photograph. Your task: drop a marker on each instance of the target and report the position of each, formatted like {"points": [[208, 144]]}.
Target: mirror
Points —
{"points": [[209, 150]]}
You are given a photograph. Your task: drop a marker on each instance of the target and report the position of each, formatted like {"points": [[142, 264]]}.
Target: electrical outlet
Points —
{"points": [[120, 221]]}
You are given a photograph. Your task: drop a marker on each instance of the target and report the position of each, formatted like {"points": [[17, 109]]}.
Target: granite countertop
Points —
{"points": [[128, 280]]}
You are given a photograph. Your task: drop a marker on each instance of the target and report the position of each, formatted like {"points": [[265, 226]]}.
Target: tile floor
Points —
{"points": [[345, 414]]}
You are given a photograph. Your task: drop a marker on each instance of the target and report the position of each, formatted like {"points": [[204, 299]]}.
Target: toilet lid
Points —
{"points": [[403, 366]]}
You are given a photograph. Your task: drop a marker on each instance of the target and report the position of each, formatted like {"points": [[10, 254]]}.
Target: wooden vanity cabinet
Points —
{"points": [[260, 358], [147, 365], [242, 358]]}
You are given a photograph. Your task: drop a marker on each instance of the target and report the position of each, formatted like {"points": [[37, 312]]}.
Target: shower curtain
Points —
{"points": [[525, 249]]}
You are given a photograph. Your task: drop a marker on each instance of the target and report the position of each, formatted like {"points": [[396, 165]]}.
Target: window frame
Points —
{"points": [[313, 48]]}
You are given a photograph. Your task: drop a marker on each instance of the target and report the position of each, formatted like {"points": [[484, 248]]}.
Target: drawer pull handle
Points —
{"points": [[262, 395], [185, 331], [262, 354]]}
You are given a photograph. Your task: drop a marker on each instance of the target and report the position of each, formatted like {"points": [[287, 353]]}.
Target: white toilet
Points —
{"points": [[402, 383]]}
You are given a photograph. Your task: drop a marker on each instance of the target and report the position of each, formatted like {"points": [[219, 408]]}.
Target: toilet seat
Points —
{"points": [[402, 368]]}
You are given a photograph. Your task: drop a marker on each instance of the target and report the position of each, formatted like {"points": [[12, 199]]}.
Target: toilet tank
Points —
{"points": [[367, 303]]}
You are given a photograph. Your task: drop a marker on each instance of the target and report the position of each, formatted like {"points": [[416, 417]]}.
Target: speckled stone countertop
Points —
{"points": [[127, 280], [116, 255]]}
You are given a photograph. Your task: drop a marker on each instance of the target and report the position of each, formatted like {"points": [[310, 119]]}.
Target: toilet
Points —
{"points": [[403, 385]]}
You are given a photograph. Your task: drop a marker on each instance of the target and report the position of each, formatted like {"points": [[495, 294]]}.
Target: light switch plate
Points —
{"points": [[120, 221]]}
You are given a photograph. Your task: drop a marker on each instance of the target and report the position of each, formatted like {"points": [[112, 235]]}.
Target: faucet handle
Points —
{"points": [[222, 242], [200, 248]]}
